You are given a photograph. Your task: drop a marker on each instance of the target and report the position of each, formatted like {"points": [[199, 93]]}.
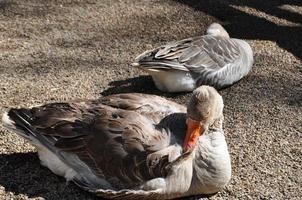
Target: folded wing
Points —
{"points": [[113, 141], [198, 55]]}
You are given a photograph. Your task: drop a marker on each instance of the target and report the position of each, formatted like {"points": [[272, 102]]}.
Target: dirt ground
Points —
{"points": [[53, 50]]}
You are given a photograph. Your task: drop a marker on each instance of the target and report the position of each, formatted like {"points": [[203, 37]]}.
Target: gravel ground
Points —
{"points": [[71, 49]]}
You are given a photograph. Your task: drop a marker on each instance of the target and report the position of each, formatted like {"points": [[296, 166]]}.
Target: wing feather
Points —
{"points": [[112, 142], [151, 106], [198, 54]]}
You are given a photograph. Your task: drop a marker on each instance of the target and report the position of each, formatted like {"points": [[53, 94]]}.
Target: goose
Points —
{"points": [[131, 146], [214, 59]]}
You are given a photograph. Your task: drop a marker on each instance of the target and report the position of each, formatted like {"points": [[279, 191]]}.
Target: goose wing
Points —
{"points": [[198, 54], [126, 194], [114, 143], [151, 106]]}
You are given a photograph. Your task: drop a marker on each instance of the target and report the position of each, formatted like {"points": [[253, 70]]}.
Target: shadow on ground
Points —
{"points": [[21, 173], [32, 179], [245, 25], [141, 84], [272, 86]]}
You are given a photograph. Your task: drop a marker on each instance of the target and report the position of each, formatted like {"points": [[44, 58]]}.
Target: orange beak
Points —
{"points": [[194, 129]]}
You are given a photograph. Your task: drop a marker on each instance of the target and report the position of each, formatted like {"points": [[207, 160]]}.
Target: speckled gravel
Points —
{"points": [[71, 49]]}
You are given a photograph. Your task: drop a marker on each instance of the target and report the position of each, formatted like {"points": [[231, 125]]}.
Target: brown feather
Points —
{"points": [[113, 136]]}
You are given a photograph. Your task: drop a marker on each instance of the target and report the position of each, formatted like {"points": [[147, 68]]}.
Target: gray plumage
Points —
{"points": [[213, 59]]}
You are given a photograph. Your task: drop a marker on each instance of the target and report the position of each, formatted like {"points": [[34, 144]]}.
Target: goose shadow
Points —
{"points": [[21, 173], [140, 84]]}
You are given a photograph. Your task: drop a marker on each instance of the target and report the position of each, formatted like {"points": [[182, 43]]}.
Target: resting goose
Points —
{"points": [[214, 59], [131, 146]]}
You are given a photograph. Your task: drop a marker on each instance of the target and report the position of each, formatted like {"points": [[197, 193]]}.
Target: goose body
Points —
{"points": [[126, 146], [214, 59]]}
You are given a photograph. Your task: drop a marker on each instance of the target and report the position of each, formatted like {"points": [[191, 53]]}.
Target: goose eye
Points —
{"points": [[207, 113]]}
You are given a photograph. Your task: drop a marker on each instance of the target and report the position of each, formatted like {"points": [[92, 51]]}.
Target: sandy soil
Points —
{"points": [[63, 50]]}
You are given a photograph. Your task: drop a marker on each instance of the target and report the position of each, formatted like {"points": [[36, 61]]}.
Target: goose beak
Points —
{"points": [[194, 130]]}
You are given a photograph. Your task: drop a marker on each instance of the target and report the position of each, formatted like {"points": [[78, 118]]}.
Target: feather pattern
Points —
{"points": [[213, 52], [124, 146], [113, 136], [210, 60]]}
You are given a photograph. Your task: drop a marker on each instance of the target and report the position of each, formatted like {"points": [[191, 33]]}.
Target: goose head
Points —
{"points": [[204, 108], [216, 29]]}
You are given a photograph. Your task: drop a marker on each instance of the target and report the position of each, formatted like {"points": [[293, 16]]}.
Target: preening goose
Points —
{"points": [[131, 146], [214, 59]]}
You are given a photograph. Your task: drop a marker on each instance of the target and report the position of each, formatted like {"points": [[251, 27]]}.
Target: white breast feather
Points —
{"points": [[52, 162], [173, 81]]}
